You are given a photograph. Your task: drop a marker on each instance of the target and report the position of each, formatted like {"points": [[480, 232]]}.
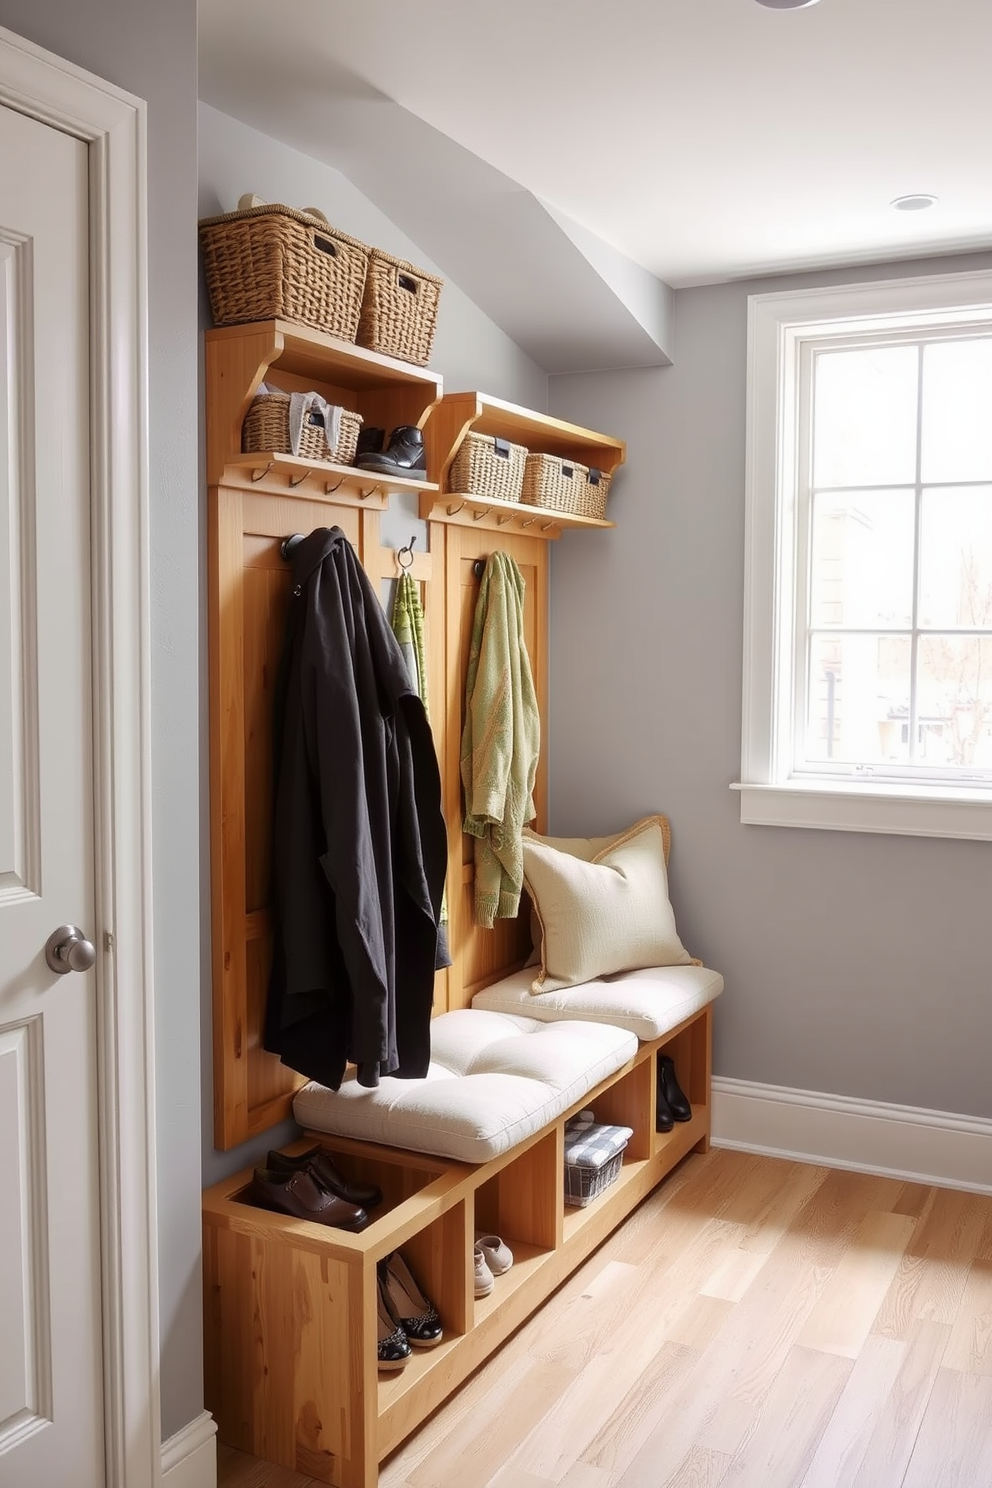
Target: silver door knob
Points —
{"points": [[67, 949]]}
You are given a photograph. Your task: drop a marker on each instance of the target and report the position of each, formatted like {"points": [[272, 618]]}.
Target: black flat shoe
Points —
{"points": [[667, 1084], [415, 1313], [392, 1347]]}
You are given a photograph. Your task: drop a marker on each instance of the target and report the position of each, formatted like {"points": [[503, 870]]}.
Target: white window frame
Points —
{"points": [[771, 794]]}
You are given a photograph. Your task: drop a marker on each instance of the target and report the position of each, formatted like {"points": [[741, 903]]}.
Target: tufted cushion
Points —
{"points": [[494, 1079], [648, 1002]]}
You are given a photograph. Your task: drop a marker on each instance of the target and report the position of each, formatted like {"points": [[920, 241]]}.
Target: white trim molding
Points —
{"points": [[189, 1459], [111, 124], [909, 1142], [774, 791]]}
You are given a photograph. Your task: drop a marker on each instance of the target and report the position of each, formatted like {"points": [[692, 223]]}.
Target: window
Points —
{"points": [[868, 579]]}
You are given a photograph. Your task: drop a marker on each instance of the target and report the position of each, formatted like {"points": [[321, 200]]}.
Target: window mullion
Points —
{"points": [[914, 721]]}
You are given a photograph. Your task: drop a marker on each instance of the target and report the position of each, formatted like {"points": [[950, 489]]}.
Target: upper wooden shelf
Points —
{"points": [[384, 390], [459, 413]]}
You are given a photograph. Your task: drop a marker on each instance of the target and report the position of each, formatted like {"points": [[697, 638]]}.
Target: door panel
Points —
{"points": [[51, 1372]]}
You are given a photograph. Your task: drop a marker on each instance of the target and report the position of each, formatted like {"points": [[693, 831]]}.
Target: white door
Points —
{"points": [[51, 1370]]}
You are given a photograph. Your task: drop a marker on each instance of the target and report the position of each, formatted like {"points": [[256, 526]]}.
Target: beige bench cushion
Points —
{"points": [[495, 1078], [649, 1002]]}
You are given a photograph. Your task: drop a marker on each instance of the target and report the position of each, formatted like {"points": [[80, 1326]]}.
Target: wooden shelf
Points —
{"points": [[488, 511], [318, 479], [457, 414], [385, 391]]}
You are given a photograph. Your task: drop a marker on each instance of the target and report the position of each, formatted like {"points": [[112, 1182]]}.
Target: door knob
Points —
{"points": [[67, 949]]}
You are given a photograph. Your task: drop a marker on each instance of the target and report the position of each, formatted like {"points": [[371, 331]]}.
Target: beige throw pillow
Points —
{"points": [[606, 915]]}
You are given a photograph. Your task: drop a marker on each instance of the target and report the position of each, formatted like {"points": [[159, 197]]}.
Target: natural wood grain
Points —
{"points": [[594, 1392]]}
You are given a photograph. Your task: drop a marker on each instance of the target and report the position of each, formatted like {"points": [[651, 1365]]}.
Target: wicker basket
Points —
{"points": [[565, 486], [273, 262], [399, 309], [593, 1159], [266, 428], [487, 466]]}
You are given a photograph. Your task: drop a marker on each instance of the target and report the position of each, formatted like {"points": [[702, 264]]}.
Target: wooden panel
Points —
{"points": [[482, 956], [248, 596]]}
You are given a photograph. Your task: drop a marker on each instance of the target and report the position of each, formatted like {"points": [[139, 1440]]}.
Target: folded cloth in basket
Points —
{"points": [[592, 1146]]}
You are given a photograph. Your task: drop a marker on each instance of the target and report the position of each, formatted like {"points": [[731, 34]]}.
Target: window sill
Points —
{"points": [[908, 810]]}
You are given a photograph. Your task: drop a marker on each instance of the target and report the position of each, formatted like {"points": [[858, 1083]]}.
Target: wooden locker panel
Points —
{"points": [[482, 956]]}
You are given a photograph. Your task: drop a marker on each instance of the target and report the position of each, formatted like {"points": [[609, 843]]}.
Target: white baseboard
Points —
{"points": [[189, 1459], [907, 1142]]}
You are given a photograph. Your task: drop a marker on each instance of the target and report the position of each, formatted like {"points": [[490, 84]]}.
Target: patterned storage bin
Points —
{"points": [[487, 466], [593, 1159], [270, 262]]}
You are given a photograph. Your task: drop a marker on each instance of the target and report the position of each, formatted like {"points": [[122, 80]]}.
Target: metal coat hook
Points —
{"points": [[299, 479], [454, 510], [289, 544], [364, 495], [477, 516], [258, 475], [408, 550], [329, 490], [479, 567]]}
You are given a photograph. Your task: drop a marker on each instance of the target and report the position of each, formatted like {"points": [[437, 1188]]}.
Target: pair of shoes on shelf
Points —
{"points": [[492, 1257], [311, 1187], [405, 1314], [671, 1104], [402, 454]]}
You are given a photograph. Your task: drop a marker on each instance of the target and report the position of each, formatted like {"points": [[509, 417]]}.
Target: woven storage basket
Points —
{"points": [[593, 1159], [266, 427], [487, 466], [273, 262], [566, 486], [399, 309]]}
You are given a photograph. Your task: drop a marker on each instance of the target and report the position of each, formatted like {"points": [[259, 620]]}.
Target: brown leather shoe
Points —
{"points": [[300, 1195], [321, 1165]]}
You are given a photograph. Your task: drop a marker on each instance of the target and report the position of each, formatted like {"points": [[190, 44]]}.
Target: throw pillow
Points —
{"points": [[606, 915]]}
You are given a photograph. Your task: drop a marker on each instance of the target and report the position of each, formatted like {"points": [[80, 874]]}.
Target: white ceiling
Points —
{"points": [[705, 140]]}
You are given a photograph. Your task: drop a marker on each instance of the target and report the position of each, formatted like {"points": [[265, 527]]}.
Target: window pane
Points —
{"points": [[862, 559], [864, 417], [858, 699], [957, 411], [956, 558], [954, 679]]}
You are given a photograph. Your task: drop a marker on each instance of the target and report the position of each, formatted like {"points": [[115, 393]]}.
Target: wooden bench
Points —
{"points": [[291, 1373]]}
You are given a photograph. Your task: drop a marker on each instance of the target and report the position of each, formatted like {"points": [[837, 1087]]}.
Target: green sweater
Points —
{"points": [[501, 741]]}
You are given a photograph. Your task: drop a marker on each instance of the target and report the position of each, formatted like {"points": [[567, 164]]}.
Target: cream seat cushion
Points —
{"points": [[649, 1002], [605, 916], [494, 1079]]}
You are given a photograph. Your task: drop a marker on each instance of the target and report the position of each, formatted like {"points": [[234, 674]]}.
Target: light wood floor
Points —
{"points": [[755, 1324]]}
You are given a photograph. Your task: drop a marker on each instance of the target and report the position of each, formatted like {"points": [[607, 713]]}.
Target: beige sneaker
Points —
{"points": [[496, 1253], [484, 1281]]}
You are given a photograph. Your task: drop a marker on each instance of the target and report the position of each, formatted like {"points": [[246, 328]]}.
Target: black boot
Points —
{"points": [[370, 441], [404, 455], [668, 1087]]}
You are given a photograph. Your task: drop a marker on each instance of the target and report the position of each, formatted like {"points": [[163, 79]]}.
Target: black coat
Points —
{"points": [[360, 847]]}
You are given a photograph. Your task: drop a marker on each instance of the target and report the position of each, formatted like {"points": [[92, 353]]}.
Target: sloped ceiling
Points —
{"points": [[565, 161]]}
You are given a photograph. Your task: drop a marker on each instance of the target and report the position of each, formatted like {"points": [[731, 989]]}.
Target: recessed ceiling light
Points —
{"points": [[786, 4], [917, 202]]}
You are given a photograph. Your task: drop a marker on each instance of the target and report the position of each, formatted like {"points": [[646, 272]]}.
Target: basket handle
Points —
{"points": [[501, 447], [325, 245], [406, 282], [567, 471]]}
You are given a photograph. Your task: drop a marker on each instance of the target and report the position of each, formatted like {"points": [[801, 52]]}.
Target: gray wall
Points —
{"points": [[470, 352], [150, 49], [855, 964]]}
